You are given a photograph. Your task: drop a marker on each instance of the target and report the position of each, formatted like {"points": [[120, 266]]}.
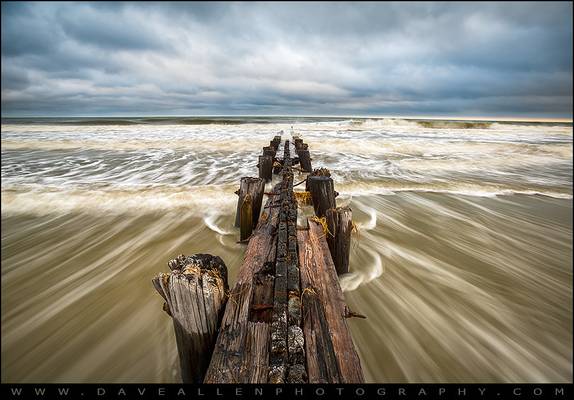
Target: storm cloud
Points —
{"points": [[425, 59]]}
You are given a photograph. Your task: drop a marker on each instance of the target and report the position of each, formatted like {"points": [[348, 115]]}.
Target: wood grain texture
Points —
{"points": [[194, 294], [330, 352], [323, 193], [238, 335], [340, 226], [305, 160], [266, 167], [255, 188]]}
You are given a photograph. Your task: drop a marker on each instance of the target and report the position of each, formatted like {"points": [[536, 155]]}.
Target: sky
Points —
{"points": [[267, 58]]}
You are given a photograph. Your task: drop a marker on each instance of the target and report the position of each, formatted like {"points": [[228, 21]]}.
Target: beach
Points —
{"points": [[462, 261]]}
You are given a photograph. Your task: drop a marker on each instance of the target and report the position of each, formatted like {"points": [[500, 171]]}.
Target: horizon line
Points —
{"points": [[424, 117]]}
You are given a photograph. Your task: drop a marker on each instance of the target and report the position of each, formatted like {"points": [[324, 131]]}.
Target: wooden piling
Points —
{"points": [[340, 226], [246, 218], [297, 142], [269, 151], [305, 160], [317, 172], [322, 192], [194, 294], [265, 167], [275, 142], [255, 188]]}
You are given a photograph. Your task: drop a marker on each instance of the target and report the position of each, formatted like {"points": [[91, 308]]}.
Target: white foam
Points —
{"points": [[210, 220], [365, 189], [355, 279], [365, 156], [197, 201]]}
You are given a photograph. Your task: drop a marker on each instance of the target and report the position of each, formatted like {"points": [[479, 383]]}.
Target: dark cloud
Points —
{"points": [[110, 29], [460, 59], [14, 78], [25, 33]]}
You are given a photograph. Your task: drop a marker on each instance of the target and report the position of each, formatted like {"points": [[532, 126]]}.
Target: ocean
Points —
{"points": [[462, 261]]}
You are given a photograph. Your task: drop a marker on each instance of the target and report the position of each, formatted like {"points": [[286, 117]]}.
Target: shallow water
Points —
{"points": [[462, 261]]}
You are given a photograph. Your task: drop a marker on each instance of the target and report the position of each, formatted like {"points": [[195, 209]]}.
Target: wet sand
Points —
{"points": [[456, 289]]}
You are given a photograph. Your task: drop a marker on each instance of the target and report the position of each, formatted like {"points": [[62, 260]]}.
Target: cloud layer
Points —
{"points": [[457, 59]]}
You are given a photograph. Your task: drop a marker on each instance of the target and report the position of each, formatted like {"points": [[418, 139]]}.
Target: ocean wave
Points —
{"points": [[380, 122], [475, 149], [454, 124], [209, 202], [281, 120], [200, 201], [414, 123], [475, 190], [215, 144], [451, 124]]}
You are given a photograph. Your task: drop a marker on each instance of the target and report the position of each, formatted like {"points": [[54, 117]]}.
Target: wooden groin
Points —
{"points": [[285, 319]]}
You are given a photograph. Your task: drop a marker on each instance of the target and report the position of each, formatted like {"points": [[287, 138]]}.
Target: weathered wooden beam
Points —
{"points": [[287, 353], [254, 187], [265, 167], [278, 346], [297, 371], [277, 166], [194, 294], [340, 226], [329, 349], [244, 334]]}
